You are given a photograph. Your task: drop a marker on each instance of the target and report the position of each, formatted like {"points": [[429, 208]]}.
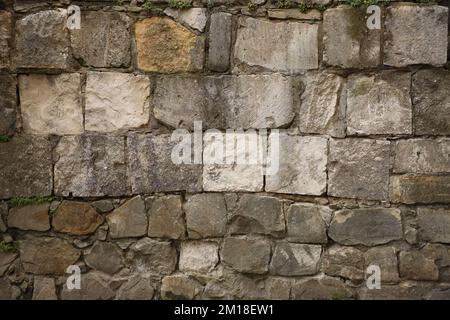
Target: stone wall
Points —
{"points": [[86, 176]]}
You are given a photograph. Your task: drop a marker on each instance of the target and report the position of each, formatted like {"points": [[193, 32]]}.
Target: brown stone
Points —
{"points": [[420, 189], [76, 218], [130, 220], [166, 219], [5, 36], [34, 217]]}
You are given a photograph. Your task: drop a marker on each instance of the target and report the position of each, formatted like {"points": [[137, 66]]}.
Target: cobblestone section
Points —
{"points": [[86, 176]]}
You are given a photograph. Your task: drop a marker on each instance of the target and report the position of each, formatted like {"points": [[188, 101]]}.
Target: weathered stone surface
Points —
{"points": [[368, 226], [166, 219], [8, 291], [33, 217], [104, 256], [8, 104], [197, 256], [302, 165], [434, 224], [228, 171], [129, 220], [239, 102], [294, 14], [103, 40], [136, 288], [379, 104], [159, 257], [258, 214], [116, 101], [348, 43], [420, 189], [44, 289], [152, 169], [414, 265], [431, 99], [359, 168], [344, 262], [179, 286], [167, 47], [403, 291], [6, 258], [47, 255], [195, 17], [422, 156], [103, 206], [76, 218], [220, 41], [206, 215], [246, 255], [307, 223], [42, 40], [322, 288], [90, 166], [427, 44], [51, 104], [386, 259], [292, 259], [287, 47], [26, 167], [322, 108], [94, 286], [5, 37]]}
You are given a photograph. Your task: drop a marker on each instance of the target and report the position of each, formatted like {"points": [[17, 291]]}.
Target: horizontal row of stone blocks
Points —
{"points": [[384, 103], [413, 34], [403, 171]]}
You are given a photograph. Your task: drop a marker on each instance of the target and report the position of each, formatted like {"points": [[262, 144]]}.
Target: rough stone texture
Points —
{"points": [[427, 44], [5, 38], [292, 259], [129, 220], [34, 217], [167, 47], [151, 168], [165, 217], [206, 215], [220, 34], [246, 255], [287, 47], [42, 40], [344, 262], [103, 206], [306, 223], [90, 165], [44, 289], [422, 156], [8, 104], [25, 167], [323, 288], [179, 286], [136, 288], [379, 104], [369, 226], [47, 255], [239, 102], [159, 257], [420, 189], [348, 43], [104, 256], [6, 258], [294, 14], [95, 287], [403, 291], [8, 291], [386, 259], [51, 104], [195, 17], [302, 165], [77, 218], [230, 174], [322, 108], [359, 168], [258, 214], [431, 99], [116, 101], [103, 40], [434, 224], [414, 265], [198, 256]]}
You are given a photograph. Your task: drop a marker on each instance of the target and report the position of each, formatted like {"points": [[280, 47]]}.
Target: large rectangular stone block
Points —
{"points": [[5, 38], [91, 166], [219, 53], [411, 189], [434, 224], [8, 104], [415, 34], [25, 167], [359, 168], [278, 46]]}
